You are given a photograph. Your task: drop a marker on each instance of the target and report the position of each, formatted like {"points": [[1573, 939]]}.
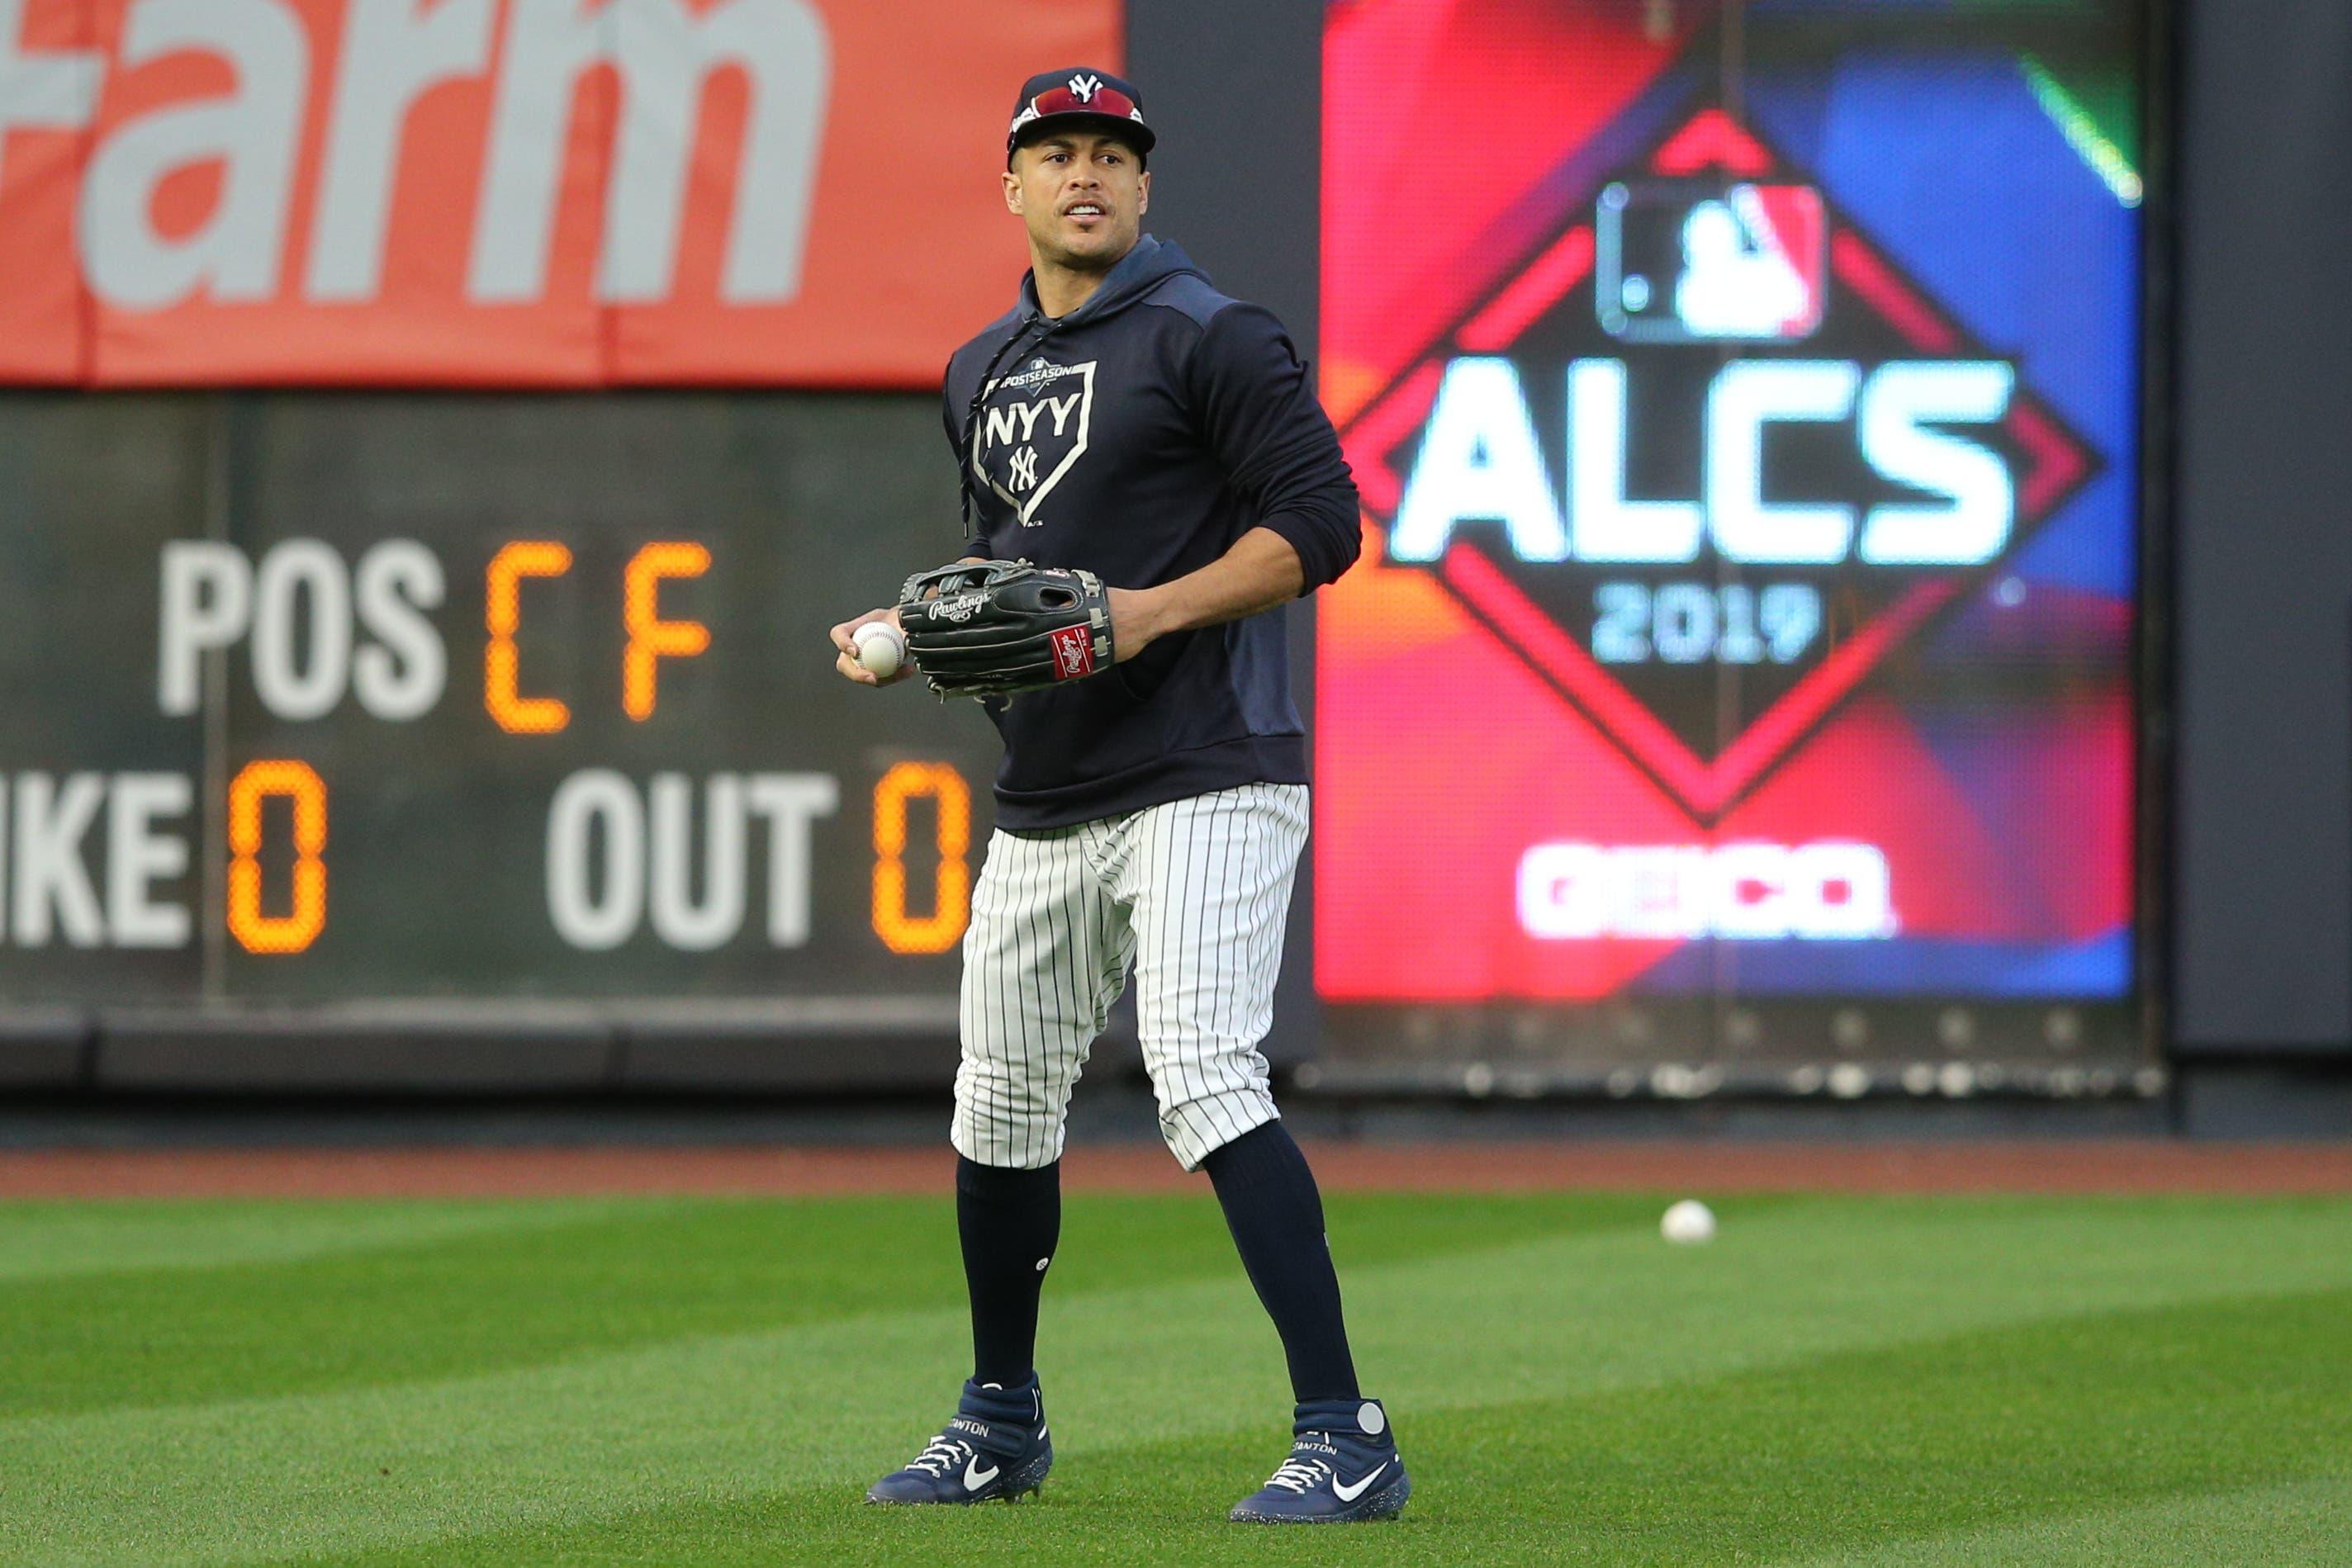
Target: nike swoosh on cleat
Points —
{"points": [[973, 1480], [1346, 1493]]}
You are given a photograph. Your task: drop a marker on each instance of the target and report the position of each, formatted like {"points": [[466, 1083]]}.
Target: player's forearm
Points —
{"points": [[1260, 570]]}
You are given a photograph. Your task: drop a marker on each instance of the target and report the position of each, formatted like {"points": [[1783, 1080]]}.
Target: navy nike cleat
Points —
{"points": [[997, 1447], [1343, 1467]]}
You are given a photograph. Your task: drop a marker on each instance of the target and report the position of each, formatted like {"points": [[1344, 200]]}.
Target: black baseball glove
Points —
{"points": [[988, 629]]}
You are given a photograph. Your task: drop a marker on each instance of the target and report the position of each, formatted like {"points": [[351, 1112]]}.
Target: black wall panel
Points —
{"points": [[2263, 912], [1235, 91]]}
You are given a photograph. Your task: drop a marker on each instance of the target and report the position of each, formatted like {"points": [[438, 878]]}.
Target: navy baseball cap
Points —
{"points": [[1074, 96]]}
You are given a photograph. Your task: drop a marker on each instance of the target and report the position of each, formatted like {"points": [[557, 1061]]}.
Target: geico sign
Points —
{"points": [[1480, 460], [392, 54], [1753, 892]]}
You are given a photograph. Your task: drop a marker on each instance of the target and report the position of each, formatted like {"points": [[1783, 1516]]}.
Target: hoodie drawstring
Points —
{"points": [[967, 456]]}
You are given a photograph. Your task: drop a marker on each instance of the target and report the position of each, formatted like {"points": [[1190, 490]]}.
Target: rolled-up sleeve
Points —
{"points": [[1257, 411]]}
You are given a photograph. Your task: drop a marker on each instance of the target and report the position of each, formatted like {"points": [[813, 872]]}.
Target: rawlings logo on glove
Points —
{"points": [[1074, 653], [960, 608], [980, 629]]}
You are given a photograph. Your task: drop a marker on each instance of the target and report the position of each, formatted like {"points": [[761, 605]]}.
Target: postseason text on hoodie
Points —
{"points": [[1139, 437]]}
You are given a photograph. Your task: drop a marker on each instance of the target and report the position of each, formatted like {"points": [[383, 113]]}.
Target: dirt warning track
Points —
{"points": [[2108, 1167]]}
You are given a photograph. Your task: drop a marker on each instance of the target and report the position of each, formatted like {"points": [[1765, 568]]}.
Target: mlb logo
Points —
{"points": [[1074, 653], [1697, 261]]}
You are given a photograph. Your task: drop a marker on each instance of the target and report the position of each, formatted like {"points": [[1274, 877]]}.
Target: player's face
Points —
{"points": [[1083, 196]]}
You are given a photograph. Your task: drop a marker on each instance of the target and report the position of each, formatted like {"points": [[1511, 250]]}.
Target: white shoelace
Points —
{"points": [[1298, 1475], [943, 1455]]}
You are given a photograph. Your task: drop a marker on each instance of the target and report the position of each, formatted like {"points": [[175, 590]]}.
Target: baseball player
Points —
{"points": [[1128, 425]]}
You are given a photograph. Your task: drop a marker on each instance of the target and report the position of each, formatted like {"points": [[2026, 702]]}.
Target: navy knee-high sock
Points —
{"points": [[1275, 1214], [1009, 1221]]}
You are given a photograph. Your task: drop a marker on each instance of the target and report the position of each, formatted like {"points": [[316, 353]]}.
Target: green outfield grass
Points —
{"points": [[1836, 1380]]}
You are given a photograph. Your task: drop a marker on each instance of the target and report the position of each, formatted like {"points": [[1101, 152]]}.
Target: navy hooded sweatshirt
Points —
{"points": [[1139, 437]]}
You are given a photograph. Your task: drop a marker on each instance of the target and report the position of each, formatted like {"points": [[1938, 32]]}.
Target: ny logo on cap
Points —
{"points": [[1083, 87]]}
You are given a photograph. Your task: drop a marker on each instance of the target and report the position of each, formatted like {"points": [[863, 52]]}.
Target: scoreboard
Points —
{"points": [[427, 702]]}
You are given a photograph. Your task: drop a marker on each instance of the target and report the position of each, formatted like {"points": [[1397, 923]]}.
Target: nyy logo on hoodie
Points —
{"points": [[1033, 427]]}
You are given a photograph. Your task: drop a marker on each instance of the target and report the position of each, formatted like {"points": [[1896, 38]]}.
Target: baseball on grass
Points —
{"points": [[879, 648], [1688, 1223]]}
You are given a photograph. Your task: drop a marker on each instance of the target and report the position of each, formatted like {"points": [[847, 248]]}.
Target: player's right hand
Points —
{"points": [[845, 650]]}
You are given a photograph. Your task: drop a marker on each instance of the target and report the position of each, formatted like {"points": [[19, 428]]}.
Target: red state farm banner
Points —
{"points": [[48, 84], [510, 193]]}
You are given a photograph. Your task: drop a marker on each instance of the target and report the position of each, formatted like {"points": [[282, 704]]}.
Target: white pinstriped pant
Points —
{"points": [[1194, 892]]}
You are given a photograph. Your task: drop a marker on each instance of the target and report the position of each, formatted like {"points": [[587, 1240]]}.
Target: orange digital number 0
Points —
{"points": [[290, 933], [951, 894]]}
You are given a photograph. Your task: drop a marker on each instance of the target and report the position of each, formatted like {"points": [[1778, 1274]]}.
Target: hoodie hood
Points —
{"points": [[1152, 262]]}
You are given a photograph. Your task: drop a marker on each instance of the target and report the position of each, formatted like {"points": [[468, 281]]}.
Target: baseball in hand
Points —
{"points": [[880, 648]]}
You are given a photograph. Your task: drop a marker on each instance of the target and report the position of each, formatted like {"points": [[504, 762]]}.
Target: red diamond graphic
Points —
{"points": [[1667, 717]]}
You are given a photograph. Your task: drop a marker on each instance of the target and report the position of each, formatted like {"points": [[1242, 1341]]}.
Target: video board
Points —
{"points": [[1746, 400]]}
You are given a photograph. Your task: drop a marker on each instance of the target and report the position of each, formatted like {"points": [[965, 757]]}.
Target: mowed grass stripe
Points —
{"points": [[47, 1242], [2249, 1527], [2077, 1440], [482, 1289], [825, 1404]]}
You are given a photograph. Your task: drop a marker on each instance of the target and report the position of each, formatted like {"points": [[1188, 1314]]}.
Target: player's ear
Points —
{"points": [[1143, 193], [1012, 191]]}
